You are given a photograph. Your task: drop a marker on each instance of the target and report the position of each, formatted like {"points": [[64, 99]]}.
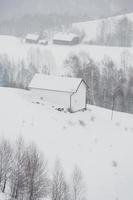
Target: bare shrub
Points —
{"points": [[37, 181], [77, 185], [5, 163], [60, 190]]}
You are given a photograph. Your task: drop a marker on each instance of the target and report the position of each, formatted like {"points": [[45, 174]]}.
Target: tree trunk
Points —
{"points": [[4, 186], [113, 106]]}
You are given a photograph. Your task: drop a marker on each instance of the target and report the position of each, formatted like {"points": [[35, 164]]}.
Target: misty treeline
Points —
{"points": [[24, 174], [109, 86], [20, 26], [113, 33], [19, 73]]}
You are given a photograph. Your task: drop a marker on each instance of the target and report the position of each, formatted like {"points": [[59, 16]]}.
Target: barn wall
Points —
{"points": [[54, 97], [61, 42], [78, 100], [31, 41], [64, 42]]}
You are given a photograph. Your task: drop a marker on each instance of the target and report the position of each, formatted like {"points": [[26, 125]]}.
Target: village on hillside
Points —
{"points": [[59, 38]]}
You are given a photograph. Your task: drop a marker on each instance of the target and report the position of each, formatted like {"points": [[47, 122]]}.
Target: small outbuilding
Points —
{"points": [[68, 93], [43, 42], [65, 39], [32, 38]]}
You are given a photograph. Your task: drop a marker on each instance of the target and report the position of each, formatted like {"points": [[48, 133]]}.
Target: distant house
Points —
{"points": [[69, 93], [32, 38], [43, 42], [65, 38]]}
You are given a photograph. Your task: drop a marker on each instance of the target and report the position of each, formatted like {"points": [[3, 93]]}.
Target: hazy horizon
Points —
{"points": [[91, 8]]}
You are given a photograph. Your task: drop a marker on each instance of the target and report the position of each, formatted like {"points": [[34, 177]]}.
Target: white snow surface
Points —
{"points": [[4, 196], [102, 148], [56, 83]]}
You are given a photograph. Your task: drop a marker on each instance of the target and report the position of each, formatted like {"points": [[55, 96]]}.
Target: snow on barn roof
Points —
{"points": [[32, 37], [48, 82], [64, 36]]}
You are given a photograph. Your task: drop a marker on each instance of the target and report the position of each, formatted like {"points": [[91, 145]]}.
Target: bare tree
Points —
{"points": [[36, 174], [126, 60], [17, 180], [102, 32], [5, 162], [77, 186], [60, 190], [120, 97], [124, 34]]}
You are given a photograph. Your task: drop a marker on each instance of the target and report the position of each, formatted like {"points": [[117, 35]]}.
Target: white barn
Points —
{"points": [[69, 93], [65, 39]]}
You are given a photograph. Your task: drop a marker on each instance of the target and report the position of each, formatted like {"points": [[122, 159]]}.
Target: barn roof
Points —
{"points": [[48, 82], [64, 36], [33, 37]]}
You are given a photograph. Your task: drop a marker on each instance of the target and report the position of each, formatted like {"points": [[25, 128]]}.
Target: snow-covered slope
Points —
{"points": [[55, 55], [102, 148], [92, 28]]}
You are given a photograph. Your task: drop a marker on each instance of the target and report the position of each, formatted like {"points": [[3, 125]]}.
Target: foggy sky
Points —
{"points": [[21, 7]]}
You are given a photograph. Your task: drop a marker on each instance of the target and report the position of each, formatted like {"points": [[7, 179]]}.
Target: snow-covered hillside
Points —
{"points": [[92, 28], [100, 147], [55, 55]]}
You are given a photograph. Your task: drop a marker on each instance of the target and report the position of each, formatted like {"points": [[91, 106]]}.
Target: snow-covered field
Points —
{"points": [[55, 55], [102, 148]]}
